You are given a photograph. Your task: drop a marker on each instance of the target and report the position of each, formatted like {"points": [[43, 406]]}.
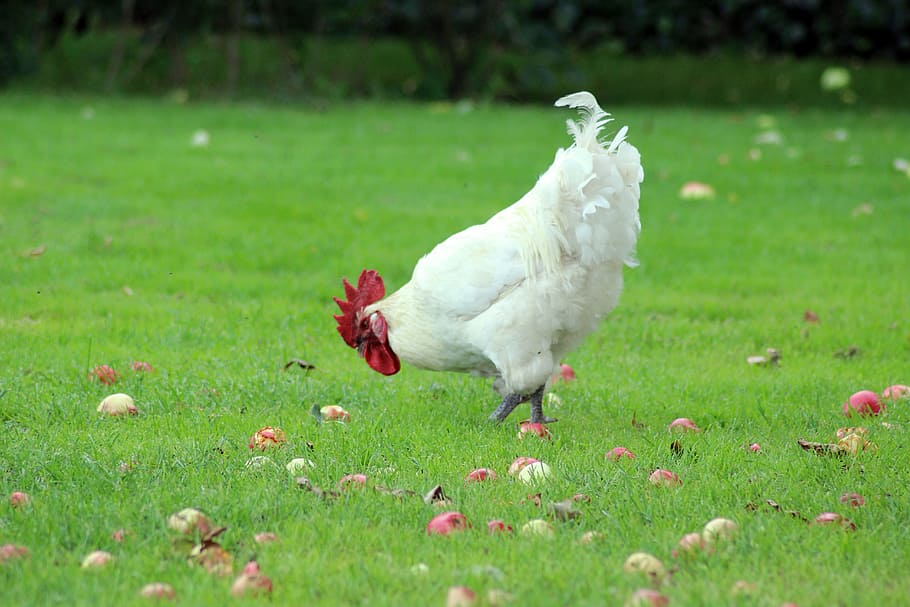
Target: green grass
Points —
{"points": [[233, 251]]}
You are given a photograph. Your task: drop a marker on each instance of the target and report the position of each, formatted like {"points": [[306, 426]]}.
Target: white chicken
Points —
{"points": [[510, 297]]}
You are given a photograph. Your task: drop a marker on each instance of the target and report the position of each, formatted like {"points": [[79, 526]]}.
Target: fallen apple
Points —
{"points": [[251, 582], [188, 521], [140, 366], [97, 559], [537, 429], [480, 474], [213, 558], [158, 590], [299, 466], [696, 190], [105, 374], [267, 437], [460, 596], [519, 464], [446, 523], [12, 552], [691, 544], [121, 534], [896, 392], [498, 526], [683, 424], [534, 472], [19, 499], [616, 454], [334, 413], [266, 537], [853, 499], [664, 478], [755, 448], [719, 529], [589, 537], [864, 402], [647, 597], [642, 562], [352, 481], [833, 518], [538, 527], [118, 404], [565, 373]]}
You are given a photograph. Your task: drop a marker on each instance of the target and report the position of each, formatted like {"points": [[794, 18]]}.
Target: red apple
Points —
{"points": [[646, 597], [158, 590], [251, 582], [497, 526], [188, 521], [864, 402], [519, 463], [268, 437], [121, 534], [335, 413], [540, 430], [691, 544], [19, 499], [833, 518], [266, 537], [9, 552], [104, 374], [896, 392], [480, 474], [352, 481], [565, 373], [664, 478], [853, 499], [140, 366], [755, 448], [683, 424], [446, 523], [460, 596], [617, 453], [97, 559]]}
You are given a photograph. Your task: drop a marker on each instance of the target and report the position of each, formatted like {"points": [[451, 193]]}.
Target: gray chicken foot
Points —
{"points": [[537, 416], [509, 402]]}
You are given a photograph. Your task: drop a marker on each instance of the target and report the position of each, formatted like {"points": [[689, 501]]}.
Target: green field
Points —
{"points": [[121, 241]]}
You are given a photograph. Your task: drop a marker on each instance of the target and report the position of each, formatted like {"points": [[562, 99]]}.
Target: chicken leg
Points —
{"points": [[510, 401]]}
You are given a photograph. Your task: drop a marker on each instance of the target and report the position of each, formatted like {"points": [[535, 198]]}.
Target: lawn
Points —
{"points": [[122, 241]]}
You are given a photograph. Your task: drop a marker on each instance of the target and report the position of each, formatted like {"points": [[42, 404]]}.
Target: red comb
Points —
{"points": [[370, 288]]}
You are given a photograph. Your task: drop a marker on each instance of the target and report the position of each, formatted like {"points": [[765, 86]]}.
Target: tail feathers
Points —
{"points": [[593, 119]]}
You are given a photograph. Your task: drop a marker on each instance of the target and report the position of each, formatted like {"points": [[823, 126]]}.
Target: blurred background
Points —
{"points": [[717, 52]]}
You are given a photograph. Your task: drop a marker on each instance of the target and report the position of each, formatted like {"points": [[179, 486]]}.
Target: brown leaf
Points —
{"points": [[563, 511], [635, 424], [300, 363], [753, 507], [534, 499], [305, 484], [400, 493], [213, 558], [848, 352], [822, 448], [435, 496], [810, 316], [37, 251]]}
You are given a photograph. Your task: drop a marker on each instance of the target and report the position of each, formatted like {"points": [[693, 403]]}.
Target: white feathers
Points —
{"points": [[512, 296], [593, 118]]}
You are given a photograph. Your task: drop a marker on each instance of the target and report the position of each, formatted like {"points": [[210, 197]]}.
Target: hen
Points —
{"points": [[510, 297]]}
